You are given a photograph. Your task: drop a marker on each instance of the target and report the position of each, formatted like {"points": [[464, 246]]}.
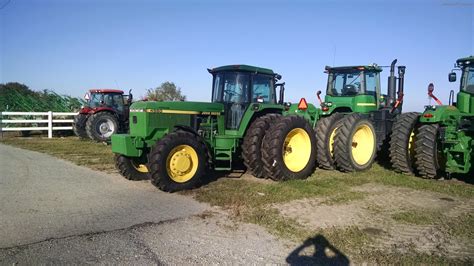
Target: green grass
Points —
{"points": [[418, 217], [250, 200], [94, 155], [463, 227]]}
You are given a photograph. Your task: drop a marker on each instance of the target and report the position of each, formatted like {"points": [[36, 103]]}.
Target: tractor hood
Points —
{"points": [[177, 107]]}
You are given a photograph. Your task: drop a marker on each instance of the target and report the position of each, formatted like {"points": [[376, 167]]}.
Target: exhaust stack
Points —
{"points": [[392, 83]]}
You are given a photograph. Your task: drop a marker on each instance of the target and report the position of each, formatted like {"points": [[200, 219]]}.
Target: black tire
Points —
{"points": [[430, 161], [158, 160], [324, 129], [274, 144], [79, 126], [100, 126], [402, 143], [131, 168], [345, 147], [252, 144]]}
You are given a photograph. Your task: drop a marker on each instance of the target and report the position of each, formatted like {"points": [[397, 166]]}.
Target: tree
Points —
{"points": [[167, 91]]}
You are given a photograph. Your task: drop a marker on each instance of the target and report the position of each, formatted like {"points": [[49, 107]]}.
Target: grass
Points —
{"points": [[94, 155], [418, 217], [248, 200]]}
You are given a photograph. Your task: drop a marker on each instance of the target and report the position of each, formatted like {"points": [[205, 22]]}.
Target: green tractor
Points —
{"points": [[356, 118], [176, 144], [444, 139]]}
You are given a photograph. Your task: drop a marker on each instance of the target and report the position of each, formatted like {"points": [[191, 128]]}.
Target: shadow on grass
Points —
{"points": [[324, 253]]}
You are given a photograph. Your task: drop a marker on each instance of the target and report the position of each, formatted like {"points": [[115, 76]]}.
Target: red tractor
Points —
{"points": [[105, 113]]}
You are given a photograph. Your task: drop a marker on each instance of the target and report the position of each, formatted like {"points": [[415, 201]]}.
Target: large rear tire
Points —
{"points": [[100, 126], [430, 161], [289, 149], [252, 145], [325, 132], [178, 161], [131, 168], [355, 144], [402, 143], [79, 126]]}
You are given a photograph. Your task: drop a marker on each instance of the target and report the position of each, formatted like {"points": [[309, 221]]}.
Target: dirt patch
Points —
{"points": [[374, 215]]}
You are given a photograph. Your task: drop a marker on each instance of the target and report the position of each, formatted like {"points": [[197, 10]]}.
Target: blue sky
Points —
{"points": [[71, 46]]}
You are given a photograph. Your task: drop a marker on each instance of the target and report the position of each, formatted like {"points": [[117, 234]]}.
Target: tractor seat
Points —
{"points": [[349, 90]]}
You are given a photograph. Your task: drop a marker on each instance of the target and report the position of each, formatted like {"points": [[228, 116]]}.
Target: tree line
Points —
{"points": [[15, 96]]}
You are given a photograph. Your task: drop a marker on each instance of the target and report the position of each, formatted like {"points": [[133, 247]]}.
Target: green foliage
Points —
{"points": [[167, 91], [15, 96]]}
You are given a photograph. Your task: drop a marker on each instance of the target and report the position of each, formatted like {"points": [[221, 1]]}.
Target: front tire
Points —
{"points": [[79, 126], [430, 161], [402, 143], [100, 126], [355, 144], [252, 145], [178, 161], [325, 134], [289, 149], [131, 168]]}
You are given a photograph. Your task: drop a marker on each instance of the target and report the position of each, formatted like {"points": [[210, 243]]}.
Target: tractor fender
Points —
{"points": [[101, 109], [187, 129], [91, 111]]}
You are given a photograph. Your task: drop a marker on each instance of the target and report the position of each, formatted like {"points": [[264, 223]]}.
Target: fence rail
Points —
{"points": [[47, 119]]}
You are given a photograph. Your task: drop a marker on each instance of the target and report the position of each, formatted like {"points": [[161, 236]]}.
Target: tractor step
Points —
{"points": [[223, 159]]}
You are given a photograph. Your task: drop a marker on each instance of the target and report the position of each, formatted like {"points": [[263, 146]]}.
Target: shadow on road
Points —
{"points": [[323, 254]]}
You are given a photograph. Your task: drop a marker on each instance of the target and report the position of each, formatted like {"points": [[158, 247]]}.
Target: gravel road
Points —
{"points": [[54, 212]]}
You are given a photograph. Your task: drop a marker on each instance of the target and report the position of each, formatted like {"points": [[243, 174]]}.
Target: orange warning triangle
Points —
{"points": [[303, 105]]}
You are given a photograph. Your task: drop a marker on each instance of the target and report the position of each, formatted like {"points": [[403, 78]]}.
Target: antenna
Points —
{"points": [[116, 83]]}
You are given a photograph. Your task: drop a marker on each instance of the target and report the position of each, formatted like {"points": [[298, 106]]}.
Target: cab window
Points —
{"points": [[262, 89], [371, 83]]}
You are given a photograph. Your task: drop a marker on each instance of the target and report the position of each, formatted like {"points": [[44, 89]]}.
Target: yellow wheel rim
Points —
{"points": [[363, 144], [331, 141], [296, 150], [182, 163], [411, 146], [140, 167]]}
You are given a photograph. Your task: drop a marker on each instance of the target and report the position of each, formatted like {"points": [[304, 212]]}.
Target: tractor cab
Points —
{"points": [[357, 89], [352, 88], [239, 86], [465, 97], [115, 99]]}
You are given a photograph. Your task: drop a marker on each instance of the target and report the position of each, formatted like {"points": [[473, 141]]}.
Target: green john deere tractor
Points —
{"points": [[357, 119], [444, 138], [177, 143]]}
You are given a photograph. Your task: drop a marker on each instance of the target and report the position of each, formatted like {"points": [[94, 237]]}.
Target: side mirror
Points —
{"points": [[452, 77], [87, 96], [430, 88]]}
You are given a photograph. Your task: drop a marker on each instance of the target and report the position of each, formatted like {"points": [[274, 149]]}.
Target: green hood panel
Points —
{"points": [[439, 113], [178, 106]]}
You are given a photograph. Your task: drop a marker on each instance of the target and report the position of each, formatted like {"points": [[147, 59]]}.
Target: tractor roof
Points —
{"points": [[105, 91], [245, 68], [465, 61], [348, 68]]}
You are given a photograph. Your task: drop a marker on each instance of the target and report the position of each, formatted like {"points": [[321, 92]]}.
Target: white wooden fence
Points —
{"points": [[38, 121]]}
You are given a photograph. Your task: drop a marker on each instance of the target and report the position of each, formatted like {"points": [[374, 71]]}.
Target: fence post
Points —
{"points": [[50, 124], [1, 123]]}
